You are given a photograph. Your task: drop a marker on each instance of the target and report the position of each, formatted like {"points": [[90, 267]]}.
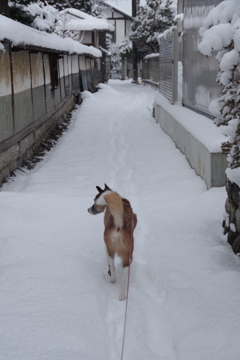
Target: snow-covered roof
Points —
{"points": [[149, 56], [79, 20], [22, 35]]}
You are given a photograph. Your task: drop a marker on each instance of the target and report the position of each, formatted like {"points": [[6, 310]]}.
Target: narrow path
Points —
{"points": [[56, 300]]}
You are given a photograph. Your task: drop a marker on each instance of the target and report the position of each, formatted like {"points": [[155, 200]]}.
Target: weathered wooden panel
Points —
{"points": [[38, 91], [66, 75], [61, 78], [23, 110], [48, 87], [70, 72], [6, 110]]}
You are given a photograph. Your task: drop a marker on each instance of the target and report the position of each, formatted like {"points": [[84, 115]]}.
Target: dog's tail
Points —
{"points": [[115, 206]]}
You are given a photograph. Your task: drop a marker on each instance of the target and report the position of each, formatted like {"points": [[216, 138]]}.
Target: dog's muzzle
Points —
{"points": [[93, 210]]}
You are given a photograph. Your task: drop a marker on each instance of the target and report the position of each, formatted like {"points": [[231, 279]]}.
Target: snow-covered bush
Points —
{"points": [[62, 27], [125, 47], [118, 51], [45, 16], [116, 60], [35, 13], [83, 5], [18, 11], [221, 33], [151, 20]]}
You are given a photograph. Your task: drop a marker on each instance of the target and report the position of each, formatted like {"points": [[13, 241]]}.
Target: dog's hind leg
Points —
{"points": [[108, 262], [123, 286]]}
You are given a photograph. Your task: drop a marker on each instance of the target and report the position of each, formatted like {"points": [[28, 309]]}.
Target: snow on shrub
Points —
{"points": [[45, 16], [221, 33]]}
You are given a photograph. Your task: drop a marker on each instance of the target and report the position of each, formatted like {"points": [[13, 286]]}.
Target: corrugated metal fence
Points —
{"points": [[199, 72], [161, 70], [168, 58]]}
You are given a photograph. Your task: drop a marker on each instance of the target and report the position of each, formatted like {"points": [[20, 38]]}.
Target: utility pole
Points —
{"points": [[134, 47]]}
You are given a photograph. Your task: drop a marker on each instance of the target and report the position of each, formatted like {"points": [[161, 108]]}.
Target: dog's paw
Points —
{"points": [[109, 271], [122, 297], [113, 280]]}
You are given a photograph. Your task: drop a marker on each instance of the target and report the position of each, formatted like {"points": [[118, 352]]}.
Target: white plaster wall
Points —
{"points": [[69, 65], [65, 64], [120, 30], [37, 70], [75, 66], [46, 69], [60, 67], [21, 71], [117, 14]]}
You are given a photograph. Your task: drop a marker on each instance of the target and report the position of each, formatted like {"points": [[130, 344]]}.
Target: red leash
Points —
{"points": [[128, 281]]}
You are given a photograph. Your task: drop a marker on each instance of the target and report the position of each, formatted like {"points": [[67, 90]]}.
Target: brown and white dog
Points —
{"points": [[119, 222]]}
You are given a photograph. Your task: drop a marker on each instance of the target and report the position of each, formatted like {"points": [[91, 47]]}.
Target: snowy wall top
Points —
{"points": [[78, 20], [21, 35]]}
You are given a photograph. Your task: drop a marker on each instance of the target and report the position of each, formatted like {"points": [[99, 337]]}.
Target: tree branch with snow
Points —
{"points": [[221, 33]]}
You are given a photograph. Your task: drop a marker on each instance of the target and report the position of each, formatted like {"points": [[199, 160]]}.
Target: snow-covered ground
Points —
{"points": [[56, 301]]}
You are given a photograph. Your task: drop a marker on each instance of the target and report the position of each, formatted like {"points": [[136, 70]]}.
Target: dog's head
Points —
{"points": [[99, 201]]}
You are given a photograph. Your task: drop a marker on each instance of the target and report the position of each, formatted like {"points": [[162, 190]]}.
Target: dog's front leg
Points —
{"points": [[112, 269]]}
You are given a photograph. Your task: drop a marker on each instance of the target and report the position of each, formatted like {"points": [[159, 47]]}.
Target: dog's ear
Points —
{"points": [[99, 189], [107, 188]]}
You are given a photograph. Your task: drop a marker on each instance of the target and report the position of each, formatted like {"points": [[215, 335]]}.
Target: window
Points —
{"points": [[54, 71]]}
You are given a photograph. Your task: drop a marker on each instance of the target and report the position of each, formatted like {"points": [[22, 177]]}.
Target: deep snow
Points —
{"points": [[56, 301]]}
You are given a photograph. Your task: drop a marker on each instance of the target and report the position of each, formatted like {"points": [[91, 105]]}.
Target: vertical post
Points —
{"points": [[175, 66], [134, 47]]}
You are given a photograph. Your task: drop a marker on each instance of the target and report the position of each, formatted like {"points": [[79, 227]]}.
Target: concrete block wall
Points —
{"points": [[209, 165]]}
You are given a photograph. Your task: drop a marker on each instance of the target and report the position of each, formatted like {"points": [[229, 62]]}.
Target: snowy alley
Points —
{"points": [[56, 300]]}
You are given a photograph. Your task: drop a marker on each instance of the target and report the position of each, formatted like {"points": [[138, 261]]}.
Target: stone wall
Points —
{"points": [[231, 222]]}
